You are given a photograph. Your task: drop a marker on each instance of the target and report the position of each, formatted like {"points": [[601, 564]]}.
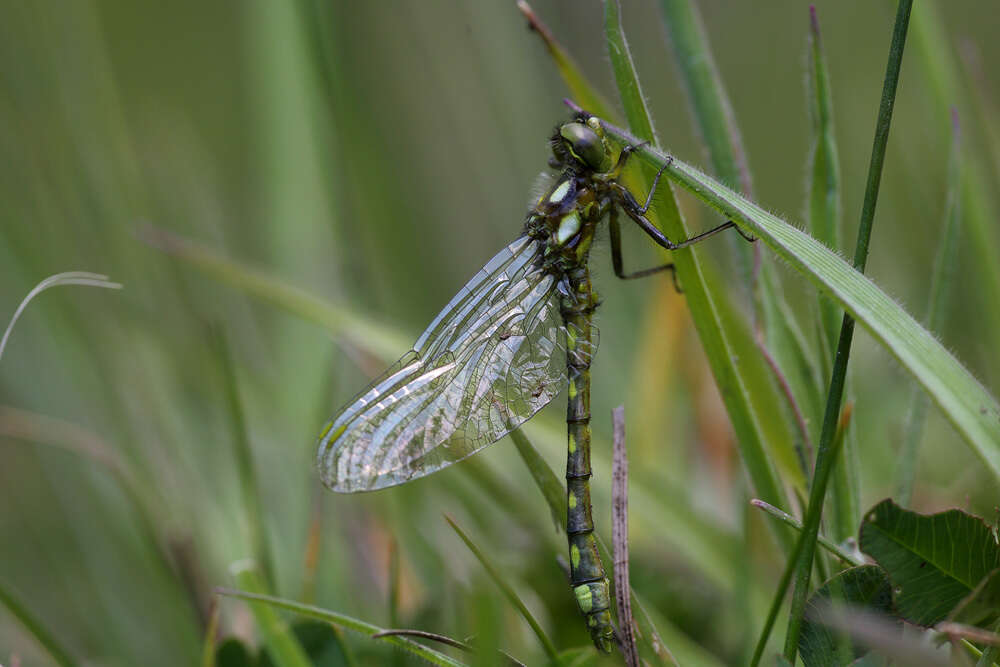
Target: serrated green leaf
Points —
{"points": [[934, 561]]}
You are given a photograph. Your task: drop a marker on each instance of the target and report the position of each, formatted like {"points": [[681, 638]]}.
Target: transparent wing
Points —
{"points": [[491, 359]]}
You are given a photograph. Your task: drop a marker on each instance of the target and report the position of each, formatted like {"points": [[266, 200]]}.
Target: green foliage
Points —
{"points": [[284, 214], [857, 590], [934, 562]]}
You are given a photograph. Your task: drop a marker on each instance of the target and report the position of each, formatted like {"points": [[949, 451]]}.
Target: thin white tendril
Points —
{"points": [[68, 278]]}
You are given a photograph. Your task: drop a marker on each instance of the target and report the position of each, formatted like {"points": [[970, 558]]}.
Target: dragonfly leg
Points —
{"points": [[637, 213], [616, 255]]}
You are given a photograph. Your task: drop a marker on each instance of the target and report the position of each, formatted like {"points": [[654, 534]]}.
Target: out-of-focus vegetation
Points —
{"points": [[362, 160]]}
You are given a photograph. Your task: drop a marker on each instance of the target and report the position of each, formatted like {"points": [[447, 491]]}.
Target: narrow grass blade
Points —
{"points": [[285, 650], [706, 94], [551, 486], [824, 202], [579, 88], [243, 453], [824, 223], [619, 538], [712, 113], [970, 408], [442, 639], [943, 77], [343, 621], [211, 636], [793, 559], [826, 454], [705, 310], [941, 281], [47, 640], [776, 324], [508, 592], [338, 320], [790, 520], [67, 278]]}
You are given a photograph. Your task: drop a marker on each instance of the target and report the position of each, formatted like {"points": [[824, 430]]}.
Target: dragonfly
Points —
{"points": [[517, 333]]}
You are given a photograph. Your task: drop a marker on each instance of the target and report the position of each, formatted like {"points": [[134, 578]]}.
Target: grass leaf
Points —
{"points": [[961, 398], [344, 621], [702, 298]]}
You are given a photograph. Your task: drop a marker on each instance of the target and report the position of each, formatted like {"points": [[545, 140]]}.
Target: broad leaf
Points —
{"points": [[934, 561]]}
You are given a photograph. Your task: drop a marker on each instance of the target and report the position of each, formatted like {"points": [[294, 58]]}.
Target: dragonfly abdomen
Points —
{"points": [[587, 577]]}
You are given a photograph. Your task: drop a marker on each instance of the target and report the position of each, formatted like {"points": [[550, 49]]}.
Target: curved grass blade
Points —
{"points": [[508, 592], [36, 628], [705, 311], [344, 621], [961, 398], [67, 278], [284, 648], [447, 641]]}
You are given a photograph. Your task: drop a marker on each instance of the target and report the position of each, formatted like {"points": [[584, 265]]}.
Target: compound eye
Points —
{"points": [[585, 146]]}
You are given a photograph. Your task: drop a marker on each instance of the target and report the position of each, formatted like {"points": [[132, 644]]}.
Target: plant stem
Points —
{"points": [[824, 455]]}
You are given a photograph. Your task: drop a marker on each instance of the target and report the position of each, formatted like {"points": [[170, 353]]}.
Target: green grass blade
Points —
{"points": [[243, 453], [208, 646], [710, 105], [338, 320], [702, 299], [824, 223], [788, 360], [974, 413], [508, 592], [47, 640], [285, 650], [790, 520], [826, 455], [629, 89], [941, 281], [579, 87], [551, 487], [824, 175], [943, 77], [346, 622], [786, 575]]}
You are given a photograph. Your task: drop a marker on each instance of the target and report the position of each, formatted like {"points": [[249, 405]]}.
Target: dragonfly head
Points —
{"points": [[584, 143]]}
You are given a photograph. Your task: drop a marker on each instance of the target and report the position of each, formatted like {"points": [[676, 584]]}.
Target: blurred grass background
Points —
{"points": [[376, 155]]}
